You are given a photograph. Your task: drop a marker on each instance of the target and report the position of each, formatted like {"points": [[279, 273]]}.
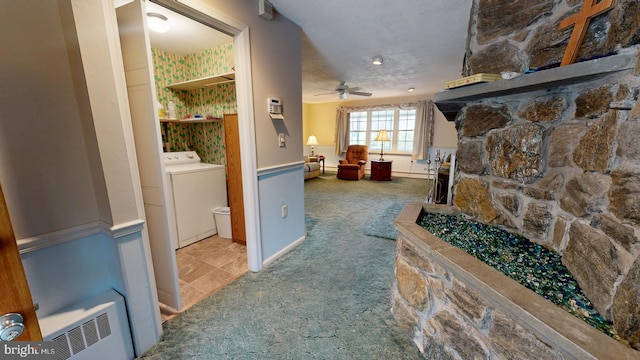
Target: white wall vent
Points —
{"points": [[93, 329], [265, 9]]}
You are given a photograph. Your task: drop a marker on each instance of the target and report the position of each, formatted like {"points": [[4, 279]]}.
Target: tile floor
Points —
{"points": [[206, 266]]}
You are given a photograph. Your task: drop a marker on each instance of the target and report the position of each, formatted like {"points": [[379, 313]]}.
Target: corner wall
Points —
{"points": [[73, 195], [45, 161], [276, 67]]}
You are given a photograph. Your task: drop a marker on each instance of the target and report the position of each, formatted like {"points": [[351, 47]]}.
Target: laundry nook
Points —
{"points": [[202, 228], [196, 190]]}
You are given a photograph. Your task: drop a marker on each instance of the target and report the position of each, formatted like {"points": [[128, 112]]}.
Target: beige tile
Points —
{"points": [[216, 240], [190, 294], [192, 269], [201, 246], [220, 257], [208, 265], [239, 248], [182, 257], [204, 252], [237, 267], [212, 280]]}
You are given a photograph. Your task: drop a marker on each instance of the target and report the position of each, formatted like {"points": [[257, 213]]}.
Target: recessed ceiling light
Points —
{"points": [[377, 60], [410, 89], [157, 22]]}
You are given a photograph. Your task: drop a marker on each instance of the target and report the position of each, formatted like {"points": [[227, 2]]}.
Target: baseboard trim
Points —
{"points": [[284, 250], [405, 174]]}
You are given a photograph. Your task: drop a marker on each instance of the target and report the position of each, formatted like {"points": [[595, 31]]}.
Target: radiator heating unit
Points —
{"points": [[96, 328]]}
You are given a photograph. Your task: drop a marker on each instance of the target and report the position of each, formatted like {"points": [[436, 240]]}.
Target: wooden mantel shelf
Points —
{"points": [[449, 102]]}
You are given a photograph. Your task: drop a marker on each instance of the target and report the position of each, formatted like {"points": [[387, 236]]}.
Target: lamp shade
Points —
{"points": [[382, 136], [312, 140]]}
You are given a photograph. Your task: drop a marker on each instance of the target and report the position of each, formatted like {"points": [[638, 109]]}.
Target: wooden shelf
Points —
{"points": [[204, 82], [199, 120], [190, 120], [449, 102]]}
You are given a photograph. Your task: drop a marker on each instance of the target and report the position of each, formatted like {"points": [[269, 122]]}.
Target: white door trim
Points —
{"points": [[246, 119]]}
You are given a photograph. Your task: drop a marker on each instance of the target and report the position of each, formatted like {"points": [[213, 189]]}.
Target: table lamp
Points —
{"points": [[382, 137], [312, 141]]}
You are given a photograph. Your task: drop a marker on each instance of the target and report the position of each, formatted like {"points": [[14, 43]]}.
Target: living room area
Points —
{"points": [[385, 160]]}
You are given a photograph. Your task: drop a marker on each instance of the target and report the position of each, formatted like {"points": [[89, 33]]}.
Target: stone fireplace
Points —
{"points": [[454, 306], [554, 154]]}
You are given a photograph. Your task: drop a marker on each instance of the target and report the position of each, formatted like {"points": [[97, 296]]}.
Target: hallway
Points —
{"points": [[329, 298]]}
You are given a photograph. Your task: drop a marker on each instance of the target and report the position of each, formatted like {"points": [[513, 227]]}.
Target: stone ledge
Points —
{"points": [[562, 331], [449, 102]]}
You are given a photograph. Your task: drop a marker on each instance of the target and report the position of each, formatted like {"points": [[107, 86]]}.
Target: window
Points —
{"points": [[399, 123], [358, 128], [406, 125]]}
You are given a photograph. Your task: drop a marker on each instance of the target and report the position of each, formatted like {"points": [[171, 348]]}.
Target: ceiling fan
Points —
{"points": [[343, 89]]}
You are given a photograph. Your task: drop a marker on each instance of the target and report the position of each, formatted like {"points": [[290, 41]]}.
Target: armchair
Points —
{"points": [[352, 167], [311, 167]]}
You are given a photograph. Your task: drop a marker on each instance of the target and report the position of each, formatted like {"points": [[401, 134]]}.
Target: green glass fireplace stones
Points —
{"points": [[528, 263]]}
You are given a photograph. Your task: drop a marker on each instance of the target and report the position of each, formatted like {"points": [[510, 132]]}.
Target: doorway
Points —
{"points": [[202, 119], [194, 73]]}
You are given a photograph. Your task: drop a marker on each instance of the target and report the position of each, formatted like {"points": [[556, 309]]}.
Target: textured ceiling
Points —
{"points": [[422, 43]]}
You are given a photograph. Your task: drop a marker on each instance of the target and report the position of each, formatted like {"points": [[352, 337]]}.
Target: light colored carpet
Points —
{"points": [[329, 298], [380, 226]]}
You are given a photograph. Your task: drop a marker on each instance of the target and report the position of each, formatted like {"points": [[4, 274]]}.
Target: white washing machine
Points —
{"points": [[196, 190]]}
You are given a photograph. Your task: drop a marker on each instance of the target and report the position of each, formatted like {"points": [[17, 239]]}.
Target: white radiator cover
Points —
{"points": [[94, 329]]}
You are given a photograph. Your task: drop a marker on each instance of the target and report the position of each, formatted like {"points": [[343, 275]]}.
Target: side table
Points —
{"points": [[381, 170]]}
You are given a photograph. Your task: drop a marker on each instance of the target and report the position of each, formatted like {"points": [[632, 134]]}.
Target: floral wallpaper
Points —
{"points": [[206, 138]]}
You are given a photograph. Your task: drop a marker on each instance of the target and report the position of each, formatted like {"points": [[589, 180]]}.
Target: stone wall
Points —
{"points": [[456, 307], [507, 35], [560, 165]]}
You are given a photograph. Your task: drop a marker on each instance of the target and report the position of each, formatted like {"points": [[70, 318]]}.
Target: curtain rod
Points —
{"points": [[382, 106]]}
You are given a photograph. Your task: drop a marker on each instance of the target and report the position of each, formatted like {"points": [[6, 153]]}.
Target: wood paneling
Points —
{"points": [[16, 297], [234, 178]]}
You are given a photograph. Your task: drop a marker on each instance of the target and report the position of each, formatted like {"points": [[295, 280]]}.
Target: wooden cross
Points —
{"points": [[590, 8]]}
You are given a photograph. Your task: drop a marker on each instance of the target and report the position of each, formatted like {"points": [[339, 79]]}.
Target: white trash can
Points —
{"points": [[222, 216]]}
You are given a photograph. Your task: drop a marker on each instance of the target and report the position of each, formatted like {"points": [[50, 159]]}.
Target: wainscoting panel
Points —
{"points": [[281, 187]]}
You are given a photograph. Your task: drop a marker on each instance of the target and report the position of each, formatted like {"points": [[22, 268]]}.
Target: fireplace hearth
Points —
{"points": [[455, 306]]}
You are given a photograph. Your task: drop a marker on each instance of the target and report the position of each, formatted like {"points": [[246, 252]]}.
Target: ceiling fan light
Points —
{"points": [[377, 60], [343, 95], [157, 22]]}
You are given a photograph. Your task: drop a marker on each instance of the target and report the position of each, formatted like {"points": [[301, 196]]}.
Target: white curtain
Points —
{"points": [[342, 131], [423, 133]]}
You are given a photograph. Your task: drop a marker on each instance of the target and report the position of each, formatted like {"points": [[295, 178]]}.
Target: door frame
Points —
{"points": [[13, 280], [246, 119], [141, 92]]}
